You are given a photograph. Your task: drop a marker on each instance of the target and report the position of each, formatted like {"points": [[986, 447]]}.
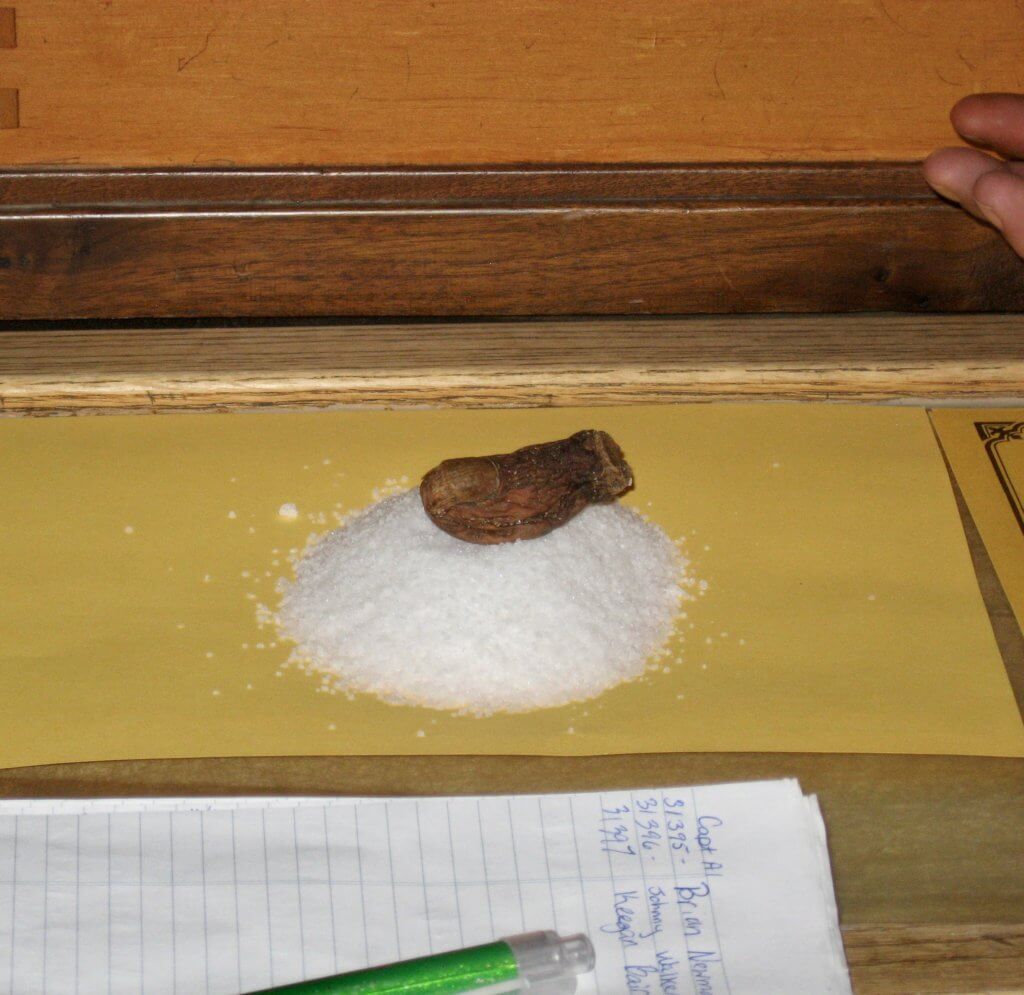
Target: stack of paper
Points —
{"points": [[682, 890]]}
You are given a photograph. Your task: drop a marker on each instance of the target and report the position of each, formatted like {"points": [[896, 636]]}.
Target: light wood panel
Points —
{"points": [[160, 82], [855, 357]]}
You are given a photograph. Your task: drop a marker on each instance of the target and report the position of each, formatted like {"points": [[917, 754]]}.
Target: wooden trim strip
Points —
{"points": [[535, 183], [956, 958], [620, 240], [520, 364]]}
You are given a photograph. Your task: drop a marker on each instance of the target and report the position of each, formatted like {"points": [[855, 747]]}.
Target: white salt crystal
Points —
{"points": [[393, 606], [232, 514], [129, 529], [288, 511]]}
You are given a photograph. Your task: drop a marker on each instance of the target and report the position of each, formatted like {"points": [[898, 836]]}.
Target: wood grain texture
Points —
{"points": [[8, 27], [977, 959], [666, 240], [8, 108], [158, 82], [852, 358]]}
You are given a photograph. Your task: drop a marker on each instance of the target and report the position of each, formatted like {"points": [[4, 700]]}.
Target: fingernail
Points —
{"points": [[991, 215]]}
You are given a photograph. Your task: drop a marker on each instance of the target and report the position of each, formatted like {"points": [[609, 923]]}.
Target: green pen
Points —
{"points": [[540, 963]]}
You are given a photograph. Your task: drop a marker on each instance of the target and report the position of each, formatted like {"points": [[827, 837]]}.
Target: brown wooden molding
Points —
{"points": [[598, 240]]}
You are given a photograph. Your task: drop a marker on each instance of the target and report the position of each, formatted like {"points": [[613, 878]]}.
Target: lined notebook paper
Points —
{"points": [[685, 890]]}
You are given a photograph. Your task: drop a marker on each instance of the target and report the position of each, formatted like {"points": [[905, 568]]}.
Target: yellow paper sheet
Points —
{"points": [[842, 613], [985, 449]]}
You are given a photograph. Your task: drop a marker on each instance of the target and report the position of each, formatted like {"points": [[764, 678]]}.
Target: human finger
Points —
{"points": [[953, 173], [993, 120], [999, 195]]}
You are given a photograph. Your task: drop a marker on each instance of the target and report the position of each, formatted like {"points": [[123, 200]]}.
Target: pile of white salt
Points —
{"points": [[391, 605]]}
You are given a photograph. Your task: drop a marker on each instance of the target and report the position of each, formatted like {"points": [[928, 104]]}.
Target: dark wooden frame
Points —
{"points": [[597, 240]]}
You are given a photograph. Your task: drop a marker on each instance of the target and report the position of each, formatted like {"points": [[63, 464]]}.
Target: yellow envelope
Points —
{"points": [[842, 612], [985, 448]]}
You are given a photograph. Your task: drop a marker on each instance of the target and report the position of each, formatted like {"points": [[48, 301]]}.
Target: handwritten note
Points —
{"points": [[719, 889]]}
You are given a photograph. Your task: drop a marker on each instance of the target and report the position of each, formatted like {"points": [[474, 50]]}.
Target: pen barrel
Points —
{"points": [[441, 974]]}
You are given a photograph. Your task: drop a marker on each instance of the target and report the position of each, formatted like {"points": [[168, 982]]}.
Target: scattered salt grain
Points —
{"points": [[288, 511], [420, 733], [129, 529], [393, 606], [209, 654], [232, 514], [215, 692]]}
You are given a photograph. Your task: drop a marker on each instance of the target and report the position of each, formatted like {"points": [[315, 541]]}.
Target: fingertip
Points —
{"points": [[940, 170], [992, 121], [952, 172], [1000, 199], [968, 115], [999, 191]]}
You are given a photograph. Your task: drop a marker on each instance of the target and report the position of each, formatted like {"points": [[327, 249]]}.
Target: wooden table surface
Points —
{"points": [[928, 851]]}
